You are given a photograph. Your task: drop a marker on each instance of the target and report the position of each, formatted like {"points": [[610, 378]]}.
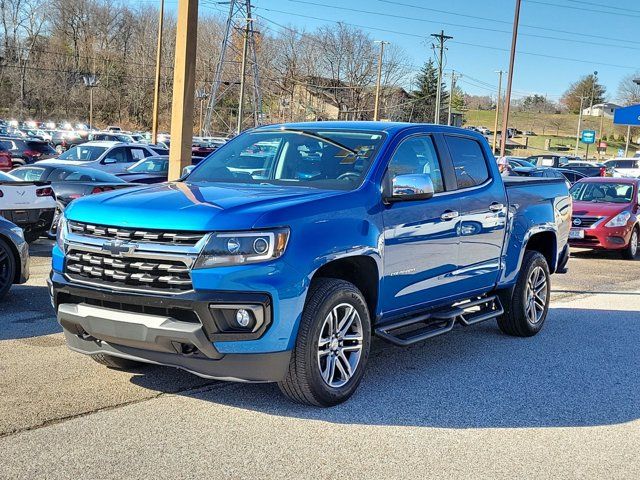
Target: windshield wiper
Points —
{"points": [[321, 137]]}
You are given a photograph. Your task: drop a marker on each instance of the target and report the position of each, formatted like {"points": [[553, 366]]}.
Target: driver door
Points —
{"points": [[421, 237]]}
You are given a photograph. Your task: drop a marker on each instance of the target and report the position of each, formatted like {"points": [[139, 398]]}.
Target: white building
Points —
{"points": [[598, 109]]}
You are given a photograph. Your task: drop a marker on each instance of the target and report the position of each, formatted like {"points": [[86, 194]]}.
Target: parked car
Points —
{"points": [[284, 275], [6, 163], [25, 152], [555, 161], [30, 205], [14, 256], [64, 140], [112, 137], [151, 170], [571, 176], [605, 215], [624, 167], [112, 157], [515, 162]]}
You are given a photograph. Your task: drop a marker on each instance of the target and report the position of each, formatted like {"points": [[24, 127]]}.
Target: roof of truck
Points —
{"points": [[389, 127]]}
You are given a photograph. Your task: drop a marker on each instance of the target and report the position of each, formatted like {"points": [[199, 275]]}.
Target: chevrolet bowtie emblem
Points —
{"points": [[117, 247]]}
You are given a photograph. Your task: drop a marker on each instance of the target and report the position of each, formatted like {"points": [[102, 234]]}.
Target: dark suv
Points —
{"points": [[24, 152]]}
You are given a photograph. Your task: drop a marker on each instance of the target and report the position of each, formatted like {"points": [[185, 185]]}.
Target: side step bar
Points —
{"points": [[414, 329]]}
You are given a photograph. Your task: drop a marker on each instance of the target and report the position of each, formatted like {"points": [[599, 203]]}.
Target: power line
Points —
{"points": [[582, 9]]}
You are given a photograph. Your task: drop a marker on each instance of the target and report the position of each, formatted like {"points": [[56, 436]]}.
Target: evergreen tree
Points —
{"points": [[583, 87], [425, 95]]}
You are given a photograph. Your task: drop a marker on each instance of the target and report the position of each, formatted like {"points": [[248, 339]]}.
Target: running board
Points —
{"points": [[414, 329]]}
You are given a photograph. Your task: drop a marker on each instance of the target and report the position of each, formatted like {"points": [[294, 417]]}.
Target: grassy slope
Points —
{"points": [[560, 128]]}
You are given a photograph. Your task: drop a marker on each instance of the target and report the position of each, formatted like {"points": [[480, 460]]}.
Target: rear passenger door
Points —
{"points": [[483, 210]]}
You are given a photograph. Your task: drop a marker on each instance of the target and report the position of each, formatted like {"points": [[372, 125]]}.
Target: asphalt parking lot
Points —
{"points": [[472, 404]]}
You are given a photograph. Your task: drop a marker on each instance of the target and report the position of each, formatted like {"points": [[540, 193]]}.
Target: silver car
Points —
{"points": [[14, 256]]}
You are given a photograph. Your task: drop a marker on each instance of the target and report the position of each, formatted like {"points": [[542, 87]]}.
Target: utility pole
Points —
{"points": [[495, 123], [454, 78], [201, 95], [507, 98], [156, 91], [379, 79], [582, 99], [593, 88], [245, 47], [442, 38], [600, 131]]}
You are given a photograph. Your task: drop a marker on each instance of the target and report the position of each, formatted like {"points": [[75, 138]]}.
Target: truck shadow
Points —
{"points": [[583, 369], [26, 312]]}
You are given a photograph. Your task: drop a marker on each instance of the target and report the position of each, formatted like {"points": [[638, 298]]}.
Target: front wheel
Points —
{"points": [[332, 347], [526, 309], [631, 250], [7, 268]]}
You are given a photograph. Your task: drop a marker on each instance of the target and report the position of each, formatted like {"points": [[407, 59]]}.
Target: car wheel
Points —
{"points": [[631, 250], [116, 362], [525, 310], [332, 348], [31, 236], [7, 268]]}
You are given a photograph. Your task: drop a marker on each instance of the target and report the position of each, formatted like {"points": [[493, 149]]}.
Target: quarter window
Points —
{"points": [[417, 155], [468, 161]]}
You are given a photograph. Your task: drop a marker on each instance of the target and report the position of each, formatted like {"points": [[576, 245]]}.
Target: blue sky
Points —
{"points": [[597, 35]]}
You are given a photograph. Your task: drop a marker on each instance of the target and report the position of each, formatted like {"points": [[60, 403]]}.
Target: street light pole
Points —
{"points": [[582, 99], [594, 79], [495, 124], [201, 95], [507, 98], [379, 79], [156, 92], [245, 46]]}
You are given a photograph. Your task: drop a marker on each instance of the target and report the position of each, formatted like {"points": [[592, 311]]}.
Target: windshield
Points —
{"points": [[5, 177], [83, 153], [328, 159], [150, 165], [602, 192]]}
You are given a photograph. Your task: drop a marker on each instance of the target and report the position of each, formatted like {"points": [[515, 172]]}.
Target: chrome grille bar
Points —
{"points": [[143, 236]]}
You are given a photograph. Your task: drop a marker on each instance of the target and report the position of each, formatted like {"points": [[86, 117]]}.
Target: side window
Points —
{"points": [[137, 154], [119, 154], [468, 161], [417, 155], [32, 174]]}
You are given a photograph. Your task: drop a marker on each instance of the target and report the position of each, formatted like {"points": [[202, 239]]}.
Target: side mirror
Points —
{"points": [[416, 186], [109, 161]]}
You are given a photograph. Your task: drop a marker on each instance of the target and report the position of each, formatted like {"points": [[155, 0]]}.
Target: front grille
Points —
{"points": [[128, 272], [584, 222], [139, 236]]}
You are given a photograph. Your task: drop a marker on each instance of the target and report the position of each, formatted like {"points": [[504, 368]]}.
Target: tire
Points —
{"points": [[31, 236], [322, 374], [7, 268], [116, 362], [525, 312], [630, 251]]}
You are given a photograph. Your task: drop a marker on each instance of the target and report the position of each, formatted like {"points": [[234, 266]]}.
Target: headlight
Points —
{"points": [[619, 220], [61, 232], [237, 248]]}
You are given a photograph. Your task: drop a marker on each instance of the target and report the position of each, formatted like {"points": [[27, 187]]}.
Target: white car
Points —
{"points": [[30, 205], [624, 167], [112, 157]]}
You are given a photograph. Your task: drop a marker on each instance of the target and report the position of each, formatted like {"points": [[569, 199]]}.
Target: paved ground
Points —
{"points": [[473, 404]]}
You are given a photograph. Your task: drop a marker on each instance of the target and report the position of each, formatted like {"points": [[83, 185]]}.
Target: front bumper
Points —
{"points": [[604, 238], [165, 330]]}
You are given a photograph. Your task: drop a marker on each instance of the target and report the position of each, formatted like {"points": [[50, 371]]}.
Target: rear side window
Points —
{"points": [[468, 161], [40, 147]]}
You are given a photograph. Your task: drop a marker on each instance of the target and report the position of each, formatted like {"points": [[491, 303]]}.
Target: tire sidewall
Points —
{"points": [[534, 260], [12, 268], [330, 395]]}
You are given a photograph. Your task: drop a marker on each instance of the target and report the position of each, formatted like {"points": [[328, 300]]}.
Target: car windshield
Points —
{"points": [[82, 175], [30, 174], [600, 192], [5, 177], [150, 165], [83, 153], [328, 159]]}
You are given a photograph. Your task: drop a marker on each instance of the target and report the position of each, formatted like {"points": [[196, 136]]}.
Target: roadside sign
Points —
{"points": [[588, 136]]}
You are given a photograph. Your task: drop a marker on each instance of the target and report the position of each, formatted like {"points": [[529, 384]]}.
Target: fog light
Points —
{"points": [[243, 318]]}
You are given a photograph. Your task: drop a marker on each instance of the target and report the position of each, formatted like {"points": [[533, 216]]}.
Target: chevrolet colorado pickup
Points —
{"points": [[281, 255]]}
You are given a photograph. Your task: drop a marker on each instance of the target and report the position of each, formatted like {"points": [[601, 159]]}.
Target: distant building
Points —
{"points": [[598, 109]]}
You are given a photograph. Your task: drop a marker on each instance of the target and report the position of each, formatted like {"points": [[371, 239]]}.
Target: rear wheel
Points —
{"points": [[631, 250], [525, 310], [332, 347], [7, 268], [116, 362]]}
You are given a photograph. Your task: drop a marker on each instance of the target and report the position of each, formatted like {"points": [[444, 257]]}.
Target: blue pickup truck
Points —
{"points": [[282, 254]]}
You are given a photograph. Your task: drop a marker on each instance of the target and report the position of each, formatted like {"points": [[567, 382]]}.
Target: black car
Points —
{"points": [[570, 176], [69, 181], [151, 170], [14, 256], [555, 161], [25, 152], [63, 141]]}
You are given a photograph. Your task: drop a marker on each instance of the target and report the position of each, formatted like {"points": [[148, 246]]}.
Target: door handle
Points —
{"points": [[449, 215], [496, 207]]}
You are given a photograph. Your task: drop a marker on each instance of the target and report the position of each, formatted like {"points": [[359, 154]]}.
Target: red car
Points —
{"points": [[6, 161], [605, 214]]}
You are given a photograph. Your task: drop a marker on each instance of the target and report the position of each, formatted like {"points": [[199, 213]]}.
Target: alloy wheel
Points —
{"points": [[536, 295], [634, 243], [340, 345]]}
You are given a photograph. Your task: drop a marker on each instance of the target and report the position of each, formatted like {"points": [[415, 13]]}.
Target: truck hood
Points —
{"points": [[591, 209], [188, 206]]}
